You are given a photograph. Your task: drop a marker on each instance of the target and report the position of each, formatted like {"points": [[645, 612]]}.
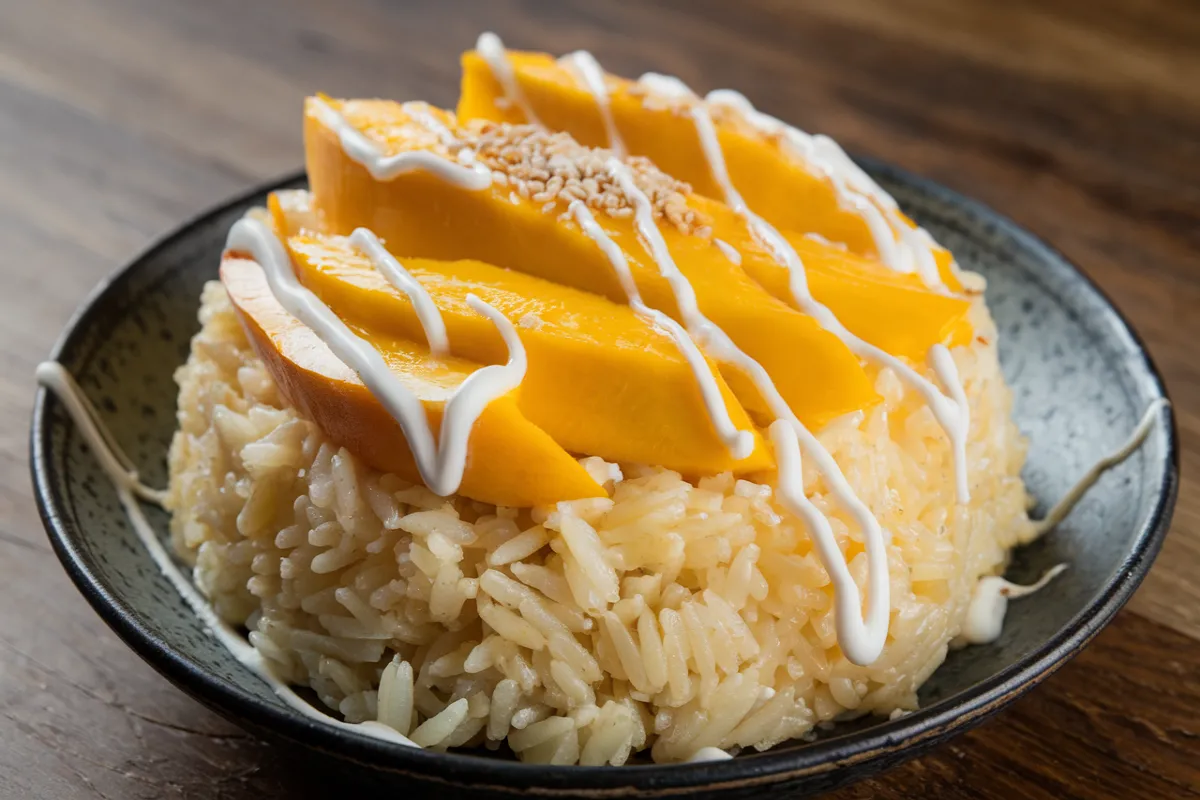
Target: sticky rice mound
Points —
{"points": [[672, 615]]}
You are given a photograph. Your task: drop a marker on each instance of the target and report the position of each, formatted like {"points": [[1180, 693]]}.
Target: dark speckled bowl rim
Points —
{"points": [[882, 744]]}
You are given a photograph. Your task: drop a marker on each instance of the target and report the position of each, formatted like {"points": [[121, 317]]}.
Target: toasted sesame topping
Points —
{"points": [[552, 169], [420, 126]]}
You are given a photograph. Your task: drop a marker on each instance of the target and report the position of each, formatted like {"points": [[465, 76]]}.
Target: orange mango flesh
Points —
{"points": [[885, 308], [892, 311], [777, 185], [292, 212], [420, 215], [510, 461], [600, 380]]}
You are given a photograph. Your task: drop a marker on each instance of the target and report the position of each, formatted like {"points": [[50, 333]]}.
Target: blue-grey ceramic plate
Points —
{"points": [[1081, 378]]}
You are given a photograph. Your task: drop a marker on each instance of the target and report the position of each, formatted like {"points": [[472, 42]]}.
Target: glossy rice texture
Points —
{"points": [[665, 618]]}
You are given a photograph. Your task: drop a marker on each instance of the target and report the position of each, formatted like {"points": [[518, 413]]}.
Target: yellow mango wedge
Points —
{"points": [[511, 462], [890, 310], [422, 215], [775, 183], [600, 380]]}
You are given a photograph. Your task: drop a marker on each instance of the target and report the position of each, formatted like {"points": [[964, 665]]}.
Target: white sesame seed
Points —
{"points": [[552, 169]]}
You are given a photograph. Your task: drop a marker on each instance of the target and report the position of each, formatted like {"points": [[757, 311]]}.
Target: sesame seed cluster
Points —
{"points": [[553, 169]]}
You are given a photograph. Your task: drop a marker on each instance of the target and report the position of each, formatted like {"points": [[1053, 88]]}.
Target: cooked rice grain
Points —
{"points": [[671, 616]]}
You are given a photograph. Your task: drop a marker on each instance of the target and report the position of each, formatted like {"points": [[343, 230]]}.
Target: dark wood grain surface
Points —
{"points": [[119, 118]]}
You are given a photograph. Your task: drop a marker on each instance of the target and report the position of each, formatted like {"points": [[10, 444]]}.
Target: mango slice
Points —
{"points": [[600, 380], [421, 215], [774, 182], [292, 211], [511, 461], [890, 310]]}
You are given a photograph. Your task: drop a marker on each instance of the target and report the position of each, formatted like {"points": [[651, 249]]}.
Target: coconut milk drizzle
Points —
{"points": [[740, 443], [383, 167], [491, 49], [402, 280], [420, 114], [1063, 507], [113, 461], [861, 639], [729, 251], [899, 246], [118, 468], [952, 414], [708, 754], [984, 621], [442, 463], [667, 86], [585, 66], [819, 239]]}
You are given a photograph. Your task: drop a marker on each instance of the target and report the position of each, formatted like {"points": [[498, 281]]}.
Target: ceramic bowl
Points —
{"points": [[1081, 380]]}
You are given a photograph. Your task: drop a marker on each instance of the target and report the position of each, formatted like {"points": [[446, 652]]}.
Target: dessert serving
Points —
{"points": [[592, 422]]}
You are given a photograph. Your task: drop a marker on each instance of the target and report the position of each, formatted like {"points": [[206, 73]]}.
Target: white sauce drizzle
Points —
{"points": [[382, 167], [984, 621], [729, 251], [740, 443], [666, 86], [113, 460], [708, 754], [953, 415], [588, 69], [491, 49], [440, 464], [1063, 507], [419, 113], [117, 466], [400, 278], [861, 640], [900, 246], [819, 239], [916, 245]]}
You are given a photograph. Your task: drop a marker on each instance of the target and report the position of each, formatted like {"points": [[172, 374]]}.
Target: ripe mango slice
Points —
{"points": [[890, 310], [600, 380], [421, 215], [775, 183], [511, 461]]}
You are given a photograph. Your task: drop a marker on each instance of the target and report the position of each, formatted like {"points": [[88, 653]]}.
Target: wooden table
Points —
{"points": [[120, 118]]}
